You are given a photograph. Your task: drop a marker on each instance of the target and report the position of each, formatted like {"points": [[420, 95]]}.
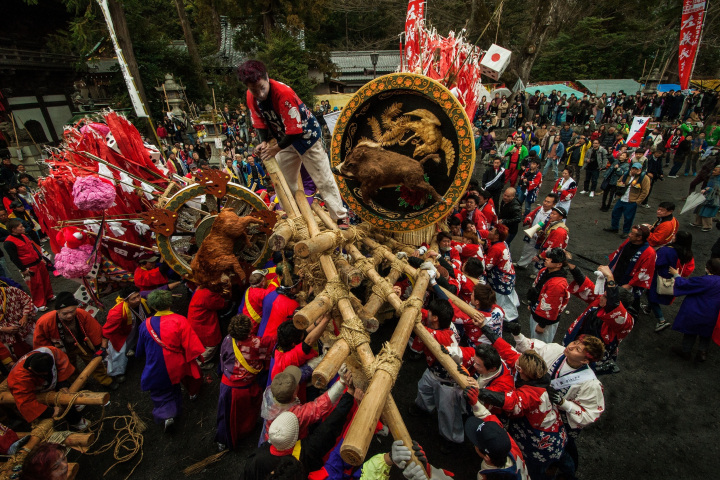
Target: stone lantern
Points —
{"points": [[173, 93], [212, 123]]}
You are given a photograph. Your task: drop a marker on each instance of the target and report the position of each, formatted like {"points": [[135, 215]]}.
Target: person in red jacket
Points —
{"points": [[76, 332], [534, 420], [121, 329], [45, 369], [203, 318], [436, 389], [489, 371], [605, 316], [486, 205], [27, 256], [473, 213], [548, 296], [664, 229], [293, 349], [150, 276], [279, 304], [242, 357], [252, 302], [633, 266], [555, 234]]}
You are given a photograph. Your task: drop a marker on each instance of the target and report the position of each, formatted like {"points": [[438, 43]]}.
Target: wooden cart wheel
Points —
{"points": [[194, 220]]}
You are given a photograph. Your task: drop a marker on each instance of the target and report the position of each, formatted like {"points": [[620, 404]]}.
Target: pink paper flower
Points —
{"points": [[92, 193]]}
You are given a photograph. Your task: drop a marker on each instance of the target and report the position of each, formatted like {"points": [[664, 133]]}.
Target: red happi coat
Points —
{"points": [[252, 304], [488, 210], [528, 401], [468, 250], [553, 298], [24, 385], [149, 279], [448, 338], [118, 323], [478, 218], [644, 269], [184, 346], [47, 333], [203, 316], [557, 238], [567, 191], [465, 287], [616, 325]]}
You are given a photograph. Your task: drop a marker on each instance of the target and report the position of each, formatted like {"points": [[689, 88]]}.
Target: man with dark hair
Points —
{"points": [[436, 389], [635, 187], [278, 113], [473, 213], [574, 388], [76, 332], [27, 256], [45, 369], [548, 296], [493, 179], [633, 266], [665, 227], [510, 213], [121, 329], [500, 273], [539, 216]]}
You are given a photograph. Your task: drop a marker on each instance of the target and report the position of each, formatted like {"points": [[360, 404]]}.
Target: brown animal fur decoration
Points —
{"points": [[375, 168], [215, 257]]}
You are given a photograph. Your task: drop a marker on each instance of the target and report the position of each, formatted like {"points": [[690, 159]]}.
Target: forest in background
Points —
{"points": [[550, 39]]}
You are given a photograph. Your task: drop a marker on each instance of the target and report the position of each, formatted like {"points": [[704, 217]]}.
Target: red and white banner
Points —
{"points": [[414, 25], [693, 15], [637, 131]]}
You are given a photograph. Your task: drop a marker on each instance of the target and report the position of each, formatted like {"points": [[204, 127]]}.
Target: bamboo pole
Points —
{"points": [[282, 190], [72, 440], [340, 351], [59, 398], [123, 242], [323, 242], [79, 382], [166, 97], [359, 434]]}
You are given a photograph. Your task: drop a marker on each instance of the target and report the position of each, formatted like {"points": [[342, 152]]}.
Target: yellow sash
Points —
{"points": [[296, 450], [241, 359], [253, 314]]}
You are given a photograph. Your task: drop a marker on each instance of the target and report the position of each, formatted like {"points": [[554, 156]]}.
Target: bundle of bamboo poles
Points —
{"points": [[331, 262], [42, 429]]}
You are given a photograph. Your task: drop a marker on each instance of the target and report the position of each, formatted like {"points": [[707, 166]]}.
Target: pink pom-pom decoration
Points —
{"points": [[92, 193], [73, 262]]}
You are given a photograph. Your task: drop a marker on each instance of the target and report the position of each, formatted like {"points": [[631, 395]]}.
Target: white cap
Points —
{"points": [[284, 430]]}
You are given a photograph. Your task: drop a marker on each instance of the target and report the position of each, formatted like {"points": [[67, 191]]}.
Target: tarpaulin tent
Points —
{"points": [[546, 89], [598, 87], [666, 87]]}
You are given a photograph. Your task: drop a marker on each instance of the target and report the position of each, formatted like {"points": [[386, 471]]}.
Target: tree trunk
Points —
{"points": [[123, 37], [216, 27], [187, 33], [268, 20], [544, 21]]}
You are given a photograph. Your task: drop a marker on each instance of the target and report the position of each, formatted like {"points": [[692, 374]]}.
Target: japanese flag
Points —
{"points": [[637, 131], [495, 61]]}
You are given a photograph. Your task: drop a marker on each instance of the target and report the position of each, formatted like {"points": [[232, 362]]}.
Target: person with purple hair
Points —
{"points": [[277, 113]]}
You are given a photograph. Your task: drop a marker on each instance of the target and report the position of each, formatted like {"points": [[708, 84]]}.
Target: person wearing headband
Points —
{"points": [[75, 332], [252, 302], [121, 327]]}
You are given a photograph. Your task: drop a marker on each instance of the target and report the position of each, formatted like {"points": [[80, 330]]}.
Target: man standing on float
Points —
{"points": [[277, 112]]}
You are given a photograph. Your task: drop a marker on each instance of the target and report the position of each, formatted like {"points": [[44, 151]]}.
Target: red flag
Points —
{"points": [[413, 29], [693, 16], [637, 131]]}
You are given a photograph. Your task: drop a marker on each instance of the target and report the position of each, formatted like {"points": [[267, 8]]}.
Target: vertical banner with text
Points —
{"points": [[693, 15], [414, 22]]}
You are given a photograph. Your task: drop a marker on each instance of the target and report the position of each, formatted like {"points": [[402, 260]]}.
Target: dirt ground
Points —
{"points": [[661, 419]]}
